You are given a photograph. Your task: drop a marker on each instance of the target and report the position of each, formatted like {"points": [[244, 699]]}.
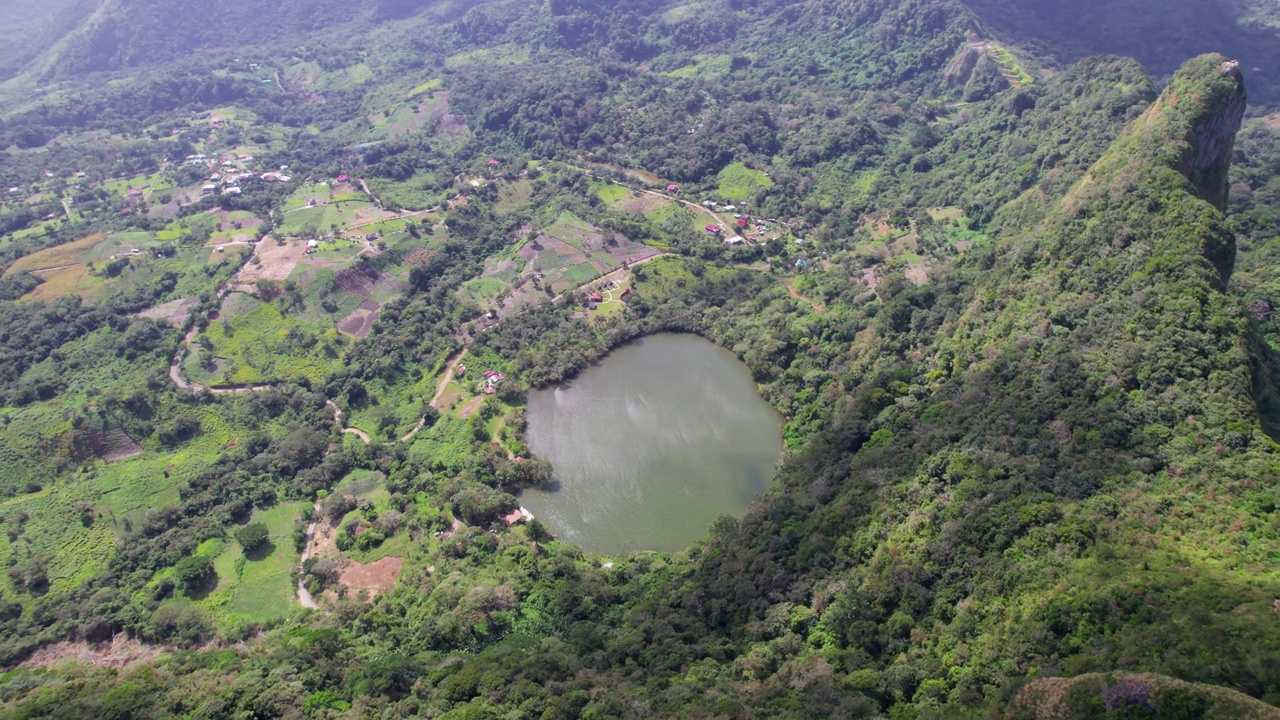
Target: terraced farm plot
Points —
{"points": [[418, 192], [75, 280], [563, 256], [87, 249], [238, 226], [95, 266], [307, 196]]}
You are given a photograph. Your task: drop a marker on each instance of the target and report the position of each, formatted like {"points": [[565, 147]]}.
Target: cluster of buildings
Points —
{"points": [[492, 380], [226, 179]]}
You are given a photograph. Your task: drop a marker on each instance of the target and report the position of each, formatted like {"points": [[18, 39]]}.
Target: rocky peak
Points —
{"points": [[1215, 88]]}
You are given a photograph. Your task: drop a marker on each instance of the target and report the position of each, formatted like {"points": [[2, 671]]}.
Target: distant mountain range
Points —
{"points": [[66, 38]]}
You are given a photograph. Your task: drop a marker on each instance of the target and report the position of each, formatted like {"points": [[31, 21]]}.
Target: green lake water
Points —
{"points": [[651, 445]]}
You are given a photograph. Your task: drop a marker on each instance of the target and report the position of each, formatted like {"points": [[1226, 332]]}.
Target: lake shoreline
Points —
{"points": [[651, 445]]}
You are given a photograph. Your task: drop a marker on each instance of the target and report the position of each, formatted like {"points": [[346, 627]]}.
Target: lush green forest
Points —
{"points": [[1013, 292]]}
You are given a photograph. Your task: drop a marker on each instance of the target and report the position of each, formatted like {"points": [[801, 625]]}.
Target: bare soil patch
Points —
{"points": [[375, 577], [917, 274], [275, 261], [625, 249], [360, 322], [112, 444], [641, 203], [494, 266], [118, 653], [227, 224], [324, 541], [472, 407], [451, 124], [175, 311], [529, 251], [436, 105], [1272, 121]]}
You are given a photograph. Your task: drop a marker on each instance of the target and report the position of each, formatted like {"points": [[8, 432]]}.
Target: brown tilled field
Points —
{"points": [[359, 279], [112, 444], [275, 261], [375, 577], [175, 311]]}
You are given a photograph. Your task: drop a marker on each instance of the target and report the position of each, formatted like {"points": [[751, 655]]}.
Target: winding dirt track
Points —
{"points": [[304, 595]]}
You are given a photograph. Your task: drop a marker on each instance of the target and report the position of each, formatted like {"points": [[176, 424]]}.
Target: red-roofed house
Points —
{"points": [[713, 229], [673, 188]]}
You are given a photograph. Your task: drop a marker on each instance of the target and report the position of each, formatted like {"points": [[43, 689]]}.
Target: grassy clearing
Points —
{"points": [[77, 523], [737, 182], [962, 232], [677, 218], [258, 588], [945, 215], [372, 487], [513, 196], [426, 87], [508, 54], [706, 66], [324, 303], [416, 193], [76, 280], [312, 221], [72, 252], [610, 193], [484, 289], [313, 193]]}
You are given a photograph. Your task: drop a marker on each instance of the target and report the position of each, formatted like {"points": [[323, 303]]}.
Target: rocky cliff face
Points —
{"points": [[1213, 136]]}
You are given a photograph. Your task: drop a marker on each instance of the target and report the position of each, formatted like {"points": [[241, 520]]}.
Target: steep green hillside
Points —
{"points": [[29, 27], [1161, 35]]}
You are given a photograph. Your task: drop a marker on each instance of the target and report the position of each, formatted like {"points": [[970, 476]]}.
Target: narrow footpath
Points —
{"points": [[304, 596]]}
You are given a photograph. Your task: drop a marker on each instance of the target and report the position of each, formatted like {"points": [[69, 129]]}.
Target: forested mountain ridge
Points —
{"points": [[1027, 457], [1160, 35], [112, 35]]}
